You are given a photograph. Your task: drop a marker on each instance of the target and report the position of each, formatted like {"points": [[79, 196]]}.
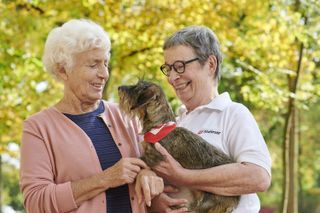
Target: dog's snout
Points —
{"points": [[125, 88], [122, 89]]}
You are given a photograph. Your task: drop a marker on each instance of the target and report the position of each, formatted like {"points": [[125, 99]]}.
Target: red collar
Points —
{"points": [[158, 132]]}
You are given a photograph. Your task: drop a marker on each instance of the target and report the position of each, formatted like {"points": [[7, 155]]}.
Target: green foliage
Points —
{"points": [[11, 193], [260, 41]]}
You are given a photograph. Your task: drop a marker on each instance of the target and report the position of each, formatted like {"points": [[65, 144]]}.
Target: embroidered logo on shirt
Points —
{"points": [[159, 132], [208, 131]]}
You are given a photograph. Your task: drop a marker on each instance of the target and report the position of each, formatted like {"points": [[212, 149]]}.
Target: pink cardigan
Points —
{"points": [[55, 151]]}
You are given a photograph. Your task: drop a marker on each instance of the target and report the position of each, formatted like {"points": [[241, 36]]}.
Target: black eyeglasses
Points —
{"points": [[178, 66]]}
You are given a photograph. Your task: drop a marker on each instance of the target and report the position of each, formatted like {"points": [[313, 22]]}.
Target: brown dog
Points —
{"points": [[148, 102]]}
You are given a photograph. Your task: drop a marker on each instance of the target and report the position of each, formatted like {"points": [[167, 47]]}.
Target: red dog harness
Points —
{"points": [[158, 132]]}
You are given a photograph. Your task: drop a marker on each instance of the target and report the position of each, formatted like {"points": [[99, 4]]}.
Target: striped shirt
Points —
{"points": [[108, 154]]}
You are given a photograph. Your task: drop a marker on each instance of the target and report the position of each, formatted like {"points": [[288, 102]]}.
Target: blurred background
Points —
{"points": [[271, 64]]}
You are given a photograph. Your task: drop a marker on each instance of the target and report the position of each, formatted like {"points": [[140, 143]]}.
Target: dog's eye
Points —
{"points": [[145, 86]]}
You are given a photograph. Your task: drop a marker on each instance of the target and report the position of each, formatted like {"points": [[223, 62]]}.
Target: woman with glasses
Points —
{"points": [[81, 155], [192, 66]]}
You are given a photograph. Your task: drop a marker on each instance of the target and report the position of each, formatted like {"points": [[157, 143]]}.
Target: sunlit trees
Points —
{"points": [[265, 44]]}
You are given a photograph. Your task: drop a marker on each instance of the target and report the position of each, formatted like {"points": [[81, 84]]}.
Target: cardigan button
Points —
{"points": [[119, 144], [132, 198]]}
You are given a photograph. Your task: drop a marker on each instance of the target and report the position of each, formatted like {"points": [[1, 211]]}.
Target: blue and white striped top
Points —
{"points": [[118, 200]]}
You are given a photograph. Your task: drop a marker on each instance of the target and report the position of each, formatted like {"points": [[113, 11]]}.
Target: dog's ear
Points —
{"points": [[144, 99]]}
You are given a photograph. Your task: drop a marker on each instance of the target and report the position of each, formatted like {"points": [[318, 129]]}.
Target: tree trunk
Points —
{"points": [[290, 199], [291, 148], [1, 183]]}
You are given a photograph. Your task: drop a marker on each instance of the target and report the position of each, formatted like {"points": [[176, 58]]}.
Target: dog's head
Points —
{"points": [[147, 101], [135, 98]]}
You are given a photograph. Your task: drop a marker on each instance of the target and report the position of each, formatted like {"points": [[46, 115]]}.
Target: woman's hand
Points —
{"points": [[123, 172], [169, 169], [148, 185], [164, 203]]}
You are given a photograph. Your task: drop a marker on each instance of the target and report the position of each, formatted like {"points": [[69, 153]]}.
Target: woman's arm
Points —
{"points": [[228, 179], [37, 173], [41, 192]]}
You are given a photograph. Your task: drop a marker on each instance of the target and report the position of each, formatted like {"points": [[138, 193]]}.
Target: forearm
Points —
{"points": [[229, 179], [88, 188]]}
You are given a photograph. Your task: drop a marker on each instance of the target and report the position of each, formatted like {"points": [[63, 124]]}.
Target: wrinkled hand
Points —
{"points": [[123, 172], [169, 169], [148, 185], [163, 202]]}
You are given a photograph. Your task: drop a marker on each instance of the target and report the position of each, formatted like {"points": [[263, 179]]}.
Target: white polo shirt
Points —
{"points": [[230, 127]]}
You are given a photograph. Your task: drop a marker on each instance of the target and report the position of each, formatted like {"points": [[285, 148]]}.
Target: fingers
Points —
{"points": [[170, 189], [151, 187], [133, 165], [170, 202], [126, 170], [146, 191], [148, 186], [138, 162], [157, 186], [161, 149], [131, 176], [138, 190], [177, 202], [181, 210]]}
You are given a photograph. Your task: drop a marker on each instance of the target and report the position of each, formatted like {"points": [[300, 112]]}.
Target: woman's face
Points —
{"points": [[87, 77], [194, 86]]}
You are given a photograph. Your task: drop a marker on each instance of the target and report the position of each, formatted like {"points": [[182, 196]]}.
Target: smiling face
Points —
{"points": [[85, 79], [196, 86]]}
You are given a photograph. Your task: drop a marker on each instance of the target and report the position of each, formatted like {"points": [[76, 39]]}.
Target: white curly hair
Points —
{"points": [[74, 36]]}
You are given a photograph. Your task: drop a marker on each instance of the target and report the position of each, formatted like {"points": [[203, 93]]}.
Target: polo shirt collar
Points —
{"points": [[218, 103]]}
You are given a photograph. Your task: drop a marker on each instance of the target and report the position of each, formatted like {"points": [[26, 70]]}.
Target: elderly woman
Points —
{"points": [[80, 155], [192, 67]]}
